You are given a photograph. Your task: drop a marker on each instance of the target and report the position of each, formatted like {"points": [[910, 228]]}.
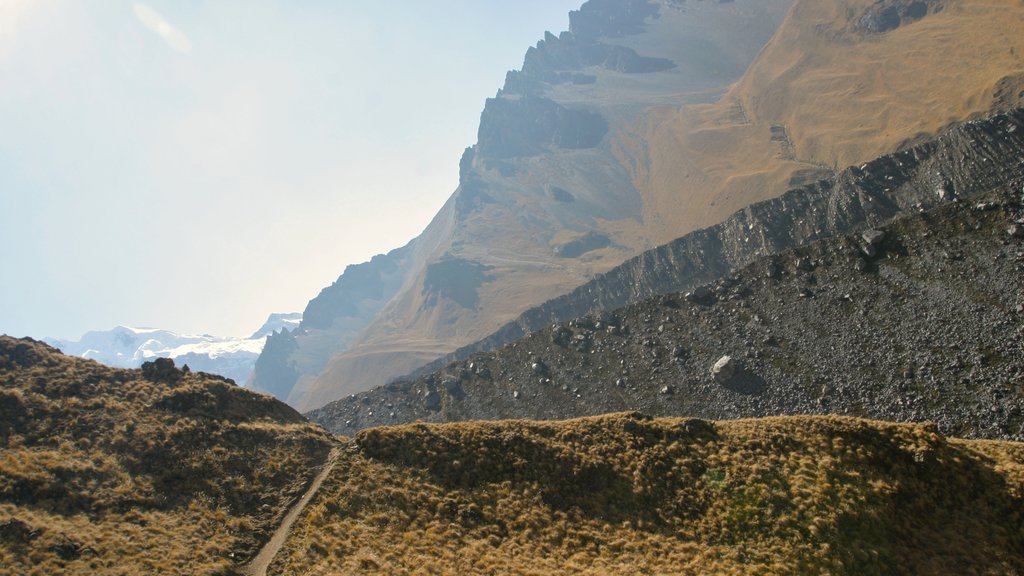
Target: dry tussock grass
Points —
{"points": [[623, 494], [104, 472], [822, 96]]}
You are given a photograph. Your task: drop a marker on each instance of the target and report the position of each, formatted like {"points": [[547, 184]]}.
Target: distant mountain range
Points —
{"points": [[127, 347]]}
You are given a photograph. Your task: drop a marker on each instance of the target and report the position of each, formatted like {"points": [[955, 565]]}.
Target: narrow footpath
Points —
{"points": [[259, 564]]}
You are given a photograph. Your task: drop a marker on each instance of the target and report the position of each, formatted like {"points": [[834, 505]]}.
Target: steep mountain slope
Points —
{"points": [[840, 83], [125, 347], [542, 203], [151, 471], [622, 135], [925, 323], [624, 494], [964, 161]]}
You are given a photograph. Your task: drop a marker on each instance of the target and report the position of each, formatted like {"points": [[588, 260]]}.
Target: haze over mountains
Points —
{"points": [[125, 347], [809, 213], [645, 121]]}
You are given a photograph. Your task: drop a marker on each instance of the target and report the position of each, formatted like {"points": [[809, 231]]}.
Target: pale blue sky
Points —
{"points": [[197, 165]]}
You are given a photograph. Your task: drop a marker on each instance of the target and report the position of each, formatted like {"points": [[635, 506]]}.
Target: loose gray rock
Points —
{"points": [[432, 400], [701, 295], [724, 370], [873, 237]]}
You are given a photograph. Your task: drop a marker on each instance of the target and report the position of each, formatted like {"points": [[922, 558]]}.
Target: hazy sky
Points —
{"points": [[197, 165]]}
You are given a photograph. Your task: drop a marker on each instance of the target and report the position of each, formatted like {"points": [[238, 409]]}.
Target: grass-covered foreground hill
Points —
{"points": [[151, 471], [625, 494]]}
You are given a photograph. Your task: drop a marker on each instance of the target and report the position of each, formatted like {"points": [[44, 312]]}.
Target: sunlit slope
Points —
{"points": [[830, 90], [152, 471], [543, 204], [623, 494]]}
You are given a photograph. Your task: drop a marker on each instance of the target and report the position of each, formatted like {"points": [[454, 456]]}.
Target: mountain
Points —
{"points": [[145, 471], [542, 205], [160, 470], [124, 347], [626, 494], [644, 122], [892, 292]]}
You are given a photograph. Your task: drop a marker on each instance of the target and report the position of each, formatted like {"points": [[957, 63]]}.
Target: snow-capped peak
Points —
{"points": [[129, 347]]}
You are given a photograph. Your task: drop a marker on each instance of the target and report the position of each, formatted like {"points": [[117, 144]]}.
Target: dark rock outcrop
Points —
{"points": [[455, 279], [886, 15], [579, 246], [611, 18], [528, 125]]}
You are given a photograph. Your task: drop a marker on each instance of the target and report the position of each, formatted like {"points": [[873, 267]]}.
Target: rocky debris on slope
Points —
{"points": [[964, 161], [928, 329]]}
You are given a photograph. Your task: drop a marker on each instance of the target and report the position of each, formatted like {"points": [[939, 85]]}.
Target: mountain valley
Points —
{"points": [[726, 287]]}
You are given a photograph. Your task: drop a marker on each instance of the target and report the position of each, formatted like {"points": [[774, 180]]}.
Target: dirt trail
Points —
{"points": [[259, 564]]}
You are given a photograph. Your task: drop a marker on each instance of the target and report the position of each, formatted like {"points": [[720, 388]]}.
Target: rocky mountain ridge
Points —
{"points": [[920, 320], [966, 160], [645, 121], [542, 203]]}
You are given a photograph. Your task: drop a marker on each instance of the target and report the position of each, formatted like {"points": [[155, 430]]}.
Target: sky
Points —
{"points": [[198, 165]]}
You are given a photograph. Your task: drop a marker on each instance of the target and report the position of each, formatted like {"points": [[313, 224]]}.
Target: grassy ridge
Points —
{"points": [[107, 471], [630, 495]]}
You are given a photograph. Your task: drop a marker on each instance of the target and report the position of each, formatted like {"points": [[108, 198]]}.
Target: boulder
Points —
{"points": [[724, 370], [432, 400]]}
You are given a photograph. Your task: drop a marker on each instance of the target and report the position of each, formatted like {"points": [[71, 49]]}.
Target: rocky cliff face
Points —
{"points": [[969, 159], [329, 323], [915, 315], [543, 202], [651, 119]]}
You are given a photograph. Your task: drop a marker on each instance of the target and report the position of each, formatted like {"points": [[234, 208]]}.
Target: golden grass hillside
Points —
{"points": [[824, 94], [153, 471], [625, 494]]}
